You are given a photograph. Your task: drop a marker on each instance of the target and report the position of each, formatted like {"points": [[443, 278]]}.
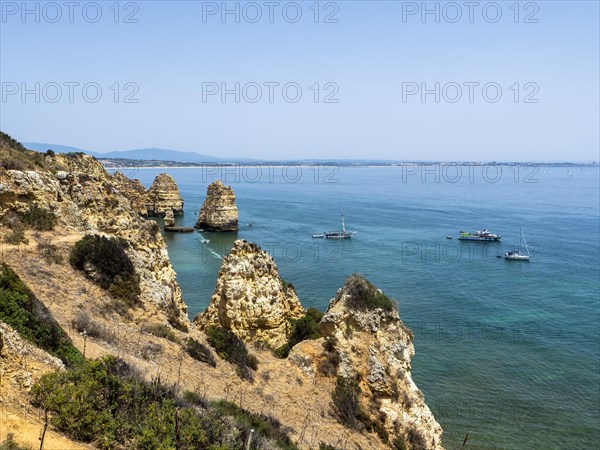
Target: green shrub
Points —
{"points": [[110, 266], [349, 412], [329, 365], [287, 286], [323, 446], [126, 288], [364, 295], [307, 327], [194, 398], [262, 424], [10, 444], [38, 218], [106, 403], [160, 330], [20, 309], [231, 348], [16, 236], [200, 352], [345, 402]]}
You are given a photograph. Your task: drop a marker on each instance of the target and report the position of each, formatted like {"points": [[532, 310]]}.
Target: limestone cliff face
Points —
{"points": [[82, 196], [162, 196], [219, 212], [375, 347], [250, 298], [134, 190]]}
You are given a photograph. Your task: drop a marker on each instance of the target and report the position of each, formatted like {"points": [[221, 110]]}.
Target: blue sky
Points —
{"points": [[370, 61]]}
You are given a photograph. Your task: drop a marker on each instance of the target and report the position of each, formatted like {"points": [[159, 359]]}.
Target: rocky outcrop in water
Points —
{"points": [[164, 195], [169, 219], [219, 212], [374, 347], [251, 299]]}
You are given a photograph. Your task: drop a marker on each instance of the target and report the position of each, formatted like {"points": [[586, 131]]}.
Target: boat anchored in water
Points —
{"points": [[483, 235], [336, 234], [517, 255]]}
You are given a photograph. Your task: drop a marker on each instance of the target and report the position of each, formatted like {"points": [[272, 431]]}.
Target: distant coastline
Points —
{"points": [[117, 164]]}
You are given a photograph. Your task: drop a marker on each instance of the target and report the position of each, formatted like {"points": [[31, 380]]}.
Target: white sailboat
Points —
{"points": [[336, 234], [517, 255]]}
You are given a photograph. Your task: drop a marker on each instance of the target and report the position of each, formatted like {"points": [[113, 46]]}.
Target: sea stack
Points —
{"points": [[373, 349], [169, 219], [251, 299], [162, 196], [218, 212]]}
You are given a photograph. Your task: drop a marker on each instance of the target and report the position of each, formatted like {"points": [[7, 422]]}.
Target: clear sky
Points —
{"points": [[374, 57]]}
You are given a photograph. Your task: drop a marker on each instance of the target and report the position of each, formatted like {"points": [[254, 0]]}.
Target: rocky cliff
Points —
{"points": [[162, 196], [373, 349], [250, 297], [134, 190], [75, 193], [219, 212]]}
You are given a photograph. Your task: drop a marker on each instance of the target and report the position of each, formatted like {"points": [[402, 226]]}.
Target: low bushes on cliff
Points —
{"points": [[263, 425], [329, 365], [231, 348], [348, 410], [200, 352], [106, 403], [306, 327], [105, 261], [20, 309], [38, 218], [364, 295]]}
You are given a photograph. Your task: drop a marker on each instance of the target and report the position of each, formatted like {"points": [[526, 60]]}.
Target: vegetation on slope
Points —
{"points": [[105, 261], [364, 295], [20, 309], [106, 403], [306, 327], [231, 348], [13, 156]]}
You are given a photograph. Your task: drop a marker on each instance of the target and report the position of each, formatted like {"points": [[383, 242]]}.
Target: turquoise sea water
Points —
{"points": [[505, 351]]}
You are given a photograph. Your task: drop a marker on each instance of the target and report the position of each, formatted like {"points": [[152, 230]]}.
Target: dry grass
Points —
{"points": [[303, 407]]}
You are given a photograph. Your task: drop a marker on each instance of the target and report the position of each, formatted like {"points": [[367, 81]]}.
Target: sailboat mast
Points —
{"points": [[343, 225], [526, 246]]}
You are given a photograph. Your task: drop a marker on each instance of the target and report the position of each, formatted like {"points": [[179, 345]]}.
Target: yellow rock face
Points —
{"points": [[219, 212], [250, 298], [164, 195], [82, 196], [376, 347]]}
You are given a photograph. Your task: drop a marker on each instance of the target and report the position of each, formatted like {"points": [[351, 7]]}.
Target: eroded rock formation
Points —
{"points": [[134, 190], [169, 219], [219, 212], [81, 196], [251, 299], [164, 195], [374, 347]]}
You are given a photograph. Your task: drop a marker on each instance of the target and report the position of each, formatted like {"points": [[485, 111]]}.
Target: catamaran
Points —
{"points": [[516, 255], [336, 234]]}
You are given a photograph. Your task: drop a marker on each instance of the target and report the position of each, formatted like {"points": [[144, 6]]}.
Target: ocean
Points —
{"points": [[505, 351]]}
